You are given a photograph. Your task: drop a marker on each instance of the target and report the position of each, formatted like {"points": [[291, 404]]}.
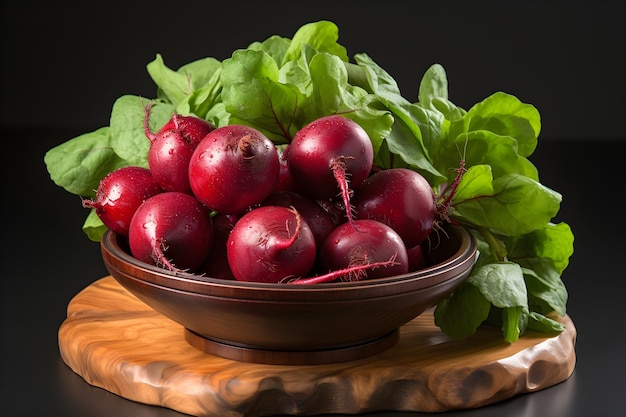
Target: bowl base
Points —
{"points": [[316, 357]]}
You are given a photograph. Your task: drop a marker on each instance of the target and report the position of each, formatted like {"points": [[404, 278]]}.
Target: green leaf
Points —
{"points": [[501, 283], [483, 147], [193, 89], [503, 115], [544, 324], [414, 128], [406, 148], [298, 74], [322, 36], [544, 254], [433, 93], [93, 227], [553, 241], [254, 74], [203, 99], [80, 163], [275, 46], [434, 84], [218, 115], [128, 137], [460, 314], [379, 81], [200, 73], [546, 291], [331, 94], [476, 181], [280, 108], [517, 205], [174, 85], [500, 131]]}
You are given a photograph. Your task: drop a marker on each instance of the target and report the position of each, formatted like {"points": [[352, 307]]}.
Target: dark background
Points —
{"points": [[64, 64]]}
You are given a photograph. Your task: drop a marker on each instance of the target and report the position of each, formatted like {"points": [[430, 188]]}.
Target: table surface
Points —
{"points": [[47, 260]]}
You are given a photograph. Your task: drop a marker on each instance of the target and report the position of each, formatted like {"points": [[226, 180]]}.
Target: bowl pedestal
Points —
{"points": [[116, 342], [315, 357]]}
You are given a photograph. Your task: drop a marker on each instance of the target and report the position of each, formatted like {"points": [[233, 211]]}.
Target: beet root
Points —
{"points": [[171, 149], [172, 230], [361, 243], [271, 244], [233, 168], [119, 195]]}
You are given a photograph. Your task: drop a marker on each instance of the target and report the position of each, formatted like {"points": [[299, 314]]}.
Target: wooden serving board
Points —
{"points": [[116, 342]]}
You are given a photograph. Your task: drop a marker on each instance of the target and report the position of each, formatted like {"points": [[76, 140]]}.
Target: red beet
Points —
{"points": [[400, 198], [119, 194], [172, 230], [216, 264], [270, 244], [319, 220], [285, 181], [171, 149], [417, 258], [233, 168], [364, 242], [328, 156]]}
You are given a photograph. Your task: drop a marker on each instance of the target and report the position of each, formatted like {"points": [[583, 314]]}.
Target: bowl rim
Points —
{"points": [[463, 259]]}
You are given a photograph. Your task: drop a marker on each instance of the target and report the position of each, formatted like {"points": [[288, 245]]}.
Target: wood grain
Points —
{"points": [[116, 342]]}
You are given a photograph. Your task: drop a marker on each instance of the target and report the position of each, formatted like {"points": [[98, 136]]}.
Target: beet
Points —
{"points": [[319, 220], [172, 230], [271, 244], [233, 168], [361, 243], [171, 149], [285, 180], [216, 264], [400, 198], [417, 257], [328, 156], [119, 194]]}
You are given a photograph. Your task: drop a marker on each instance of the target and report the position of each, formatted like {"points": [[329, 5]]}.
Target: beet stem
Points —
{"points": [[146, 123], [158, 253], [285, 132], [285, 244], [443, 208], [338, 166], [90, 204], [350, 271], [246, 148]]}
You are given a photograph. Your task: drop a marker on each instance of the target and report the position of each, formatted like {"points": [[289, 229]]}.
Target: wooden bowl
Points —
{"points": [[291, 324]]}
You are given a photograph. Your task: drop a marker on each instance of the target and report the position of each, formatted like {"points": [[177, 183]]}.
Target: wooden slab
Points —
{"points": [[116, 342]]}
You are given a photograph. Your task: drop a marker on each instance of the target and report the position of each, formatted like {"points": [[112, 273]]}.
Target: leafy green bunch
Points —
{"points": [[279, 85]]}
